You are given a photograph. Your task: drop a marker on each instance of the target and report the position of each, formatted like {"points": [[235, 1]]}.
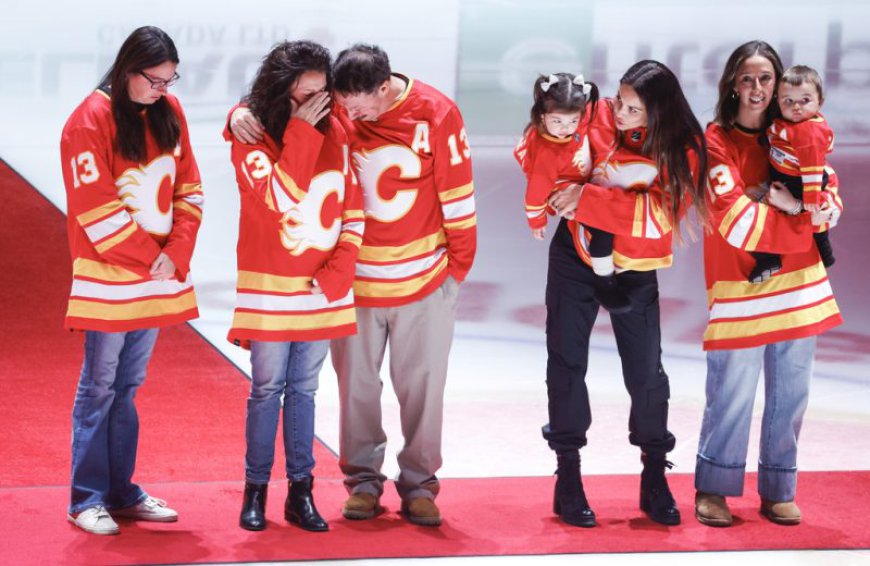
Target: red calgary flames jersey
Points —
{"points": [[301, 221], [797, 301], [120, 215], [625, 196], [414, 166], [800, 150], [548, 161]]}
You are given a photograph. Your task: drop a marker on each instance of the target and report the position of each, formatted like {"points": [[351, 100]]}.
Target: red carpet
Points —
{"points": [[482, 517], [192, 406], [192, 446]]}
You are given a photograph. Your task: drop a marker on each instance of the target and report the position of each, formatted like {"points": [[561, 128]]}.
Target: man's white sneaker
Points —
{"points": [[149, 509], [95, 520]]}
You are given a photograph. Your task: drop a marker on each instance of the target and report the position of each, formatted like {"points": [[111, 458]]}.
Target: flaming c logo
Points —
{"points": [[315, 223], [147, 193]]}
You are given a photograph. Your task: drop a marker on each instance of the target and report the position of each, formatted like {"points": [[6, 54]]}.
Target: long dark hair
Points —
{"points": [[672, 132], [146, 47], [729, 104], [269, 98], [561, 95]]}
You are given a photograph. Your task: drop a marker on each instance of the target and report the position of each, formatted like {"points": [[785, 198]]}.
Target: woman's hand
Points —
{"points": [[823, 215], [312, 110], [564, 201], [779, 197], [163, 268], [315, 288], [756, 192], [245, 126]]}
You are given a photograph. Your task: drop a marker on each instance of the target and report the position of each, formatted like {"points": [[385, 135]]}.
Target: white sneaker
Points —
{"points": [[149, 509], [95, 520]]}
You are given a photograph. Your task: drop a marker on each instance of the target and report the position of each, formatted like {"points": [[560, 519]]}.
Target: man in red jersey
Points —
{"points": [[411, 154], [410, 151]]}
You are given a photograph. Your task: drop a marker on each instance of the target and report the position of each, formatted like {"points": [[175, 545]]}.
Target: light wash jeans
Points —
{"points": [[732, 379], [105, 423], [288, 369]]}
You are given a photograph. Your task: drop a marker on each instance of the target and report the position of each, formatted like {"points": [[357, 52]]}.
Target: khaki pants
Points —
{"points": [[420, 335]]}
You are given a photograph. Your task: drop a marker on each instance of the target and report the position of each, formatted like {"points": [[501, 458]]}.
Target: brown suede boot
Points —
{"points": [[712, 510], [422, 511], [362, 505], [781, 512]]}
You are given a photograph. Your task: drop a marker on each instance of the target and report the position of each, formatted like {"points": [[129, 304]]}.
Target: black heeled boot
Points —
{"points": [[569, 499], [656, 499], [253, 517], [299, 507]]}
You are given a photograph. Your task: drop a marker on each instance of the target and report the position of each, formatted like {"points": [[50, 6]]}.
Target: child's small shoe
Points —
{"points": [[610, 296], [765, 268]]}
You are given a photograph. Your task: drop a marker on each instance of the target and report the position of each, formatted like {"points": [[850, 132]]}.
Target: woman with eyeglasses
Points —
{"points": [[134, 205]]}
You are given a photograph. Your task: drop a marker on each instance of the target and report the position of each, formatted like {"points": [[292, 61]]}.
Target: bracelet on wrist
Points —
{"points": [[798, 208]]}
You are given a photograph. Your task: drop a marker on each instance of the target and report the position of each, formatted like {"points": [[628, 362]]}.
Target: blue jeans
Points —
{"points": [[290, 369], [732, 379], [105, 424]]}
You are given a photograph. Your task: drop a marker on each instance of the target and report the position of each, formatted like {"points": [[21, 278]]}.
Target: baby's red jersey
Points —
{"points": [[800, 150], [548, 161]]}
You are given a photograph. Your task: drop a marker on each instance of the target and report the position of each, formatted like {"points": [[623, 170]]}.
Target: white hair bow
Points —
{"points": [[551, 80], [578, 80]]}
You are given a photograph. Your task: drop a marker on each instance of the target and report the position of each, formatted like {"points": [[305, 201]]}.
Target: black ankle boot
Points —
{"points": [[610, 296], [253, 517], [655, 495], [569, 499], [299, 506]]}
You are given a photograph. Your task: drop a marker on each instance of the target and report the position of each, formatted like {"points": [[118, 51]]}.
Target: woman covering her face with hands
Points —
{"points": [[299, 234]]}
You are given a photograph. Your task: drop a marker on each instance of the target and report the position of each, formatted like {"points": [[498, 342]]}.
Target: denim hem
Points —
{"points": [[776, 483], [258, 481], [718, 479], [139, 499], [76, 509], [299, 476]]}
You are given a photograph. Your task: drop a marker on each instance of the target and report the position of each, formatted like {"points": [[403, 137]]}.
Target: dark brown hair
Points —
{"points": [[269, 98], [562, 95], [800, 74], [729, 104], [146, 47], [361, 69], [672, 133]]}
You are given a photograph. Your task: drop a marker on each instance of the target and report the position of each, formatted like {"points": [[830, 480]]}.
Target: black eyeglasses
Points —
{"points": [[158, 84]]}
